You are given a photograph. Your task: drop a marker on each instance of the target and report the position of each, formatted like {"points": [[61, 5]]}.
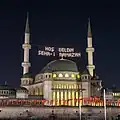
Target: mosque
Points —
{"points": [[60, 80]]}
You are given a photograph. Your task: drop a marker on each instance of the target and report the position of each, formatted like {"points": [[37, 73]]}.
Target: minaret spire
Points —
{"points": [[90, 50], [26, 46], [27, 29], [89, 29]]}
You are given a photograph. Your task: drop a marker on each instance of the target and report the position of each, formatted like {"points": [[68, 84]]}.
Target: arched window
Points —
{"points": [[86, 77], [78, 76], [60, 75], [72, 75], [66, 75], [54, 75]]}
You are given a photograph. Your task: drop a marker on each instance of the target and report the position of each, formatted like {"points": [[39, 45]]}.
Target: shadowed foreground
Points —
{"points": [[64, 117], [56, 113]]}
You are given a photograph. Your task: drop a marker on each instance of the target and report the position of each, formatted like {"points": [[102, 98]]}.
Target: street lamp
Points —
{"points": [[80, 110], [80, 104], [105, 105]]}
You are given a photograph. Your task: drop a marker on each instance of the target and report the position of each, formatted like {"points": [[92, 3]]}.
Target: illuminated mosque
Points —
{"points": [[60, 80]]}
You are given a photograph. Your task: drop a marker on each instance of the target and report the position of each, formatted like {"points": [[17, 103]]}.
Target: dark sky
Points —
{"points": [[60, 23]]}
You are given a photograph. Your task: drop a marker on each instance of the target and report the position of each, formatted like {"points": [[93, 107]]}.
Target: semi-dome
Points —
{"points": [[21, 88], [60, 65], [86, 72]]}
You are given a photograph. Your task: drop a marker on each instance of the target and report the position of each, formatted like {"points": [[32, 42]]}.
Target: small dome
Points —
{"points": [[60, 65], [27, 75], [86, 72]]}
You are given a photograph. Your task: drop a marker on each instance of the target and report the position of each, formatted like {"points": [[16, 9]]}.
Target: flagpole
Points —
{"points": [[105, 105]]}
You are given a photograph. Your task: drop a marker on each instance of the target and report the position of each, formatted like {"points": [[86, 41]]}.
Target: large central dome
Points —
{"points": [[60, 65]]}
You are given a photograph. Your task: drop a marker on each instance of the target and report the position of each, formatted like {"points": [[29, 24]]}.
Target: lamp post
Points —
{"points": [[80, 105], [105, 105], [80, 109], [81, 100]]}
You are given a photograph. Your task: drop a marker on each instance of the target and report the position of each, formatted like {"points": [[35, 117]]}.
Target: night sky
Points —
{"points": [[61, 23]]}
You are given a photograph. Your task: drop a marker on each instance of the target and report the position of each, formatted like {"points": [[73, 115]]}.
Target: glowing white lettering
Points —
{"points": [[61, 52], [51, 49], [69, 55], [64, 50], [44, 53]]}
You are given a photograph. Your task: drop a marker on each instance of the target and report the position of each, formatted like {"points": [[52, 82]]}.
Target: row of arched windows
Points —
{"points": [[67, 86], [60, 75]]}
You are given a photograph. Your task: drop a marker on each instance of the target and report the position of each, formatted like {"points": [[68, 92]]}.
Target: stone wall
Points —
{"points": [[10, 112]]}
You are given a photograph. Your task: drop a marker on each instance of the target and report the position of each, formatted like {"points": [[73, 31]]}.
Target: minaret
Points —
{"points": [[90, 50], [26, 46]]}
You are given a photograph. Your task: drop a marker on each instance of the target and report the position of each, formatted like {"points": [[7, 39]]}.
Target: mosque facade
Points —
{"points": [[60, 81]]}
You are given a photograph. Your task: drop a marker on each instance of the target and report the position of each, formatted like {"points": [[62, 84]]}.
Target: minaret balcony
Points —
{"points": [[26, 45], [91, 66], [24, 64], [90, 49]]}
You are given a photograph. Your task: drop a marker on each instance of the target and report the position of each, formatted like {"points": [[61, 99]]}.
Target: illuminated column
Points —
{"points": [[54, 97], [76, 98], [73, 97], [26, 46], [58, 97], [65, 97], [90, 51], [67, 93], [69, 97], [62, 97]]}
